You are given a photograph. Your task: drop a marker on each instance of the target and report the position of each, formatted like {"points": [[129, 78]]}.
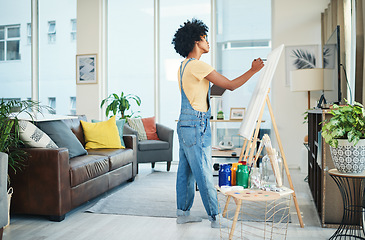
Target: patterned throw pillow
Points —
{"points": [[137, 124], [33, 136]]}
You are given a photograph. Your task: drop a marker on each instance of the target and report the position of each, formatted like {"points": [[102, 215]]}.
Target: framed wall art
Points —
{"points": [[86, 69], [237, 113], [301, 57]]}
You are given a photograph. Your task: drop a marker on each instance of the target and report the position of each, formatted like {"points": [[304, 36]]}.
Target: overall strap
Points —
{"points": [[183, 69]]}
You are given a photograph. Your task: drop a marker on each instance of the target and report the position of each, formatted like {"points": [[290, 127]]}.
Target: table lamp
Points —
{"points": [[310, 79]]}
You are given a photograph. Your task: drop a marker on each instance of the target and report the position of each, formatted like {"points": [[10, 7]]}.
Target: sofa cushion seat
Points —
{"points": [[146, 145], [84, 168], [117, 157]]}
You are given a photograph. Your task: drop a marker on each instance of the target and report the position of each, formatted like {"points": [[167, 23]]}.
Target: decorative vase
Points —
{"points": [[349, 158]]}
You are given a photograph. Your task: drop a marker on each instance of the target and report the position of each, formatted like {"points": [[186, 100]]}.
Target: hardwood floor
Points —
{"points": [[79, 225]]}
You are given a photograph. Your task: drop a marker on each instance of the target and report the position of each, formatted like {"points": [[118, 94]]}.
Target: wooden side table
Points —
{"points": [[250, 204], [352, 188]]}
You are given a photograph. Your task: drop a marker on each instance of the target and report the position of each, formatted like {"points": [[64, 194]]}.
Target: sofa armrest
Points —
{"points": [[43, 186], [130, 141], [164, 133], [128, 130]]}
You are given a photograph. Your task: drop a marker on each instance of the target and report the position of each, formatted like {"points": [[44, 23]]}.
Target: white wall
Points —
{"points": [[90, 24], [294, 22]]}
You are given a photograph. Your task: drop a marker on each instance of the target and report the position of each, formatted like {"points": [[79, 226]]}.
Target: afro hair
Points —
{"points": [[186, 36]]}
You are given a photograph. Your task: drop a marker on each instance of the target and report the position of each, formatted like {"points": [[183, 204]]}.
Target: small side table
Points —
{"points": [[260, 214], [352, 188]]}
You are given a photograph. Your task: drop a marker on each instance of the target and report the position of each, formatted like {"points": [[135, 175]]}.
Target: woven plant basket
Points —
{"points": [[10, 194]]}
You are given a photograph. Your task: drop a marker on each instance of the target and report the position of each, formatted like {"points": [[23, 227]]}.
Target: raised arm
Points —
{"points": [[223, 82]]}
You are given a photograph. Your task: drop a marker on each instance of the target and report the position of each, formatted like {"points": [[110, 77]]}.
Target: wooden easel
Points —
{"points": [[250, 145]]}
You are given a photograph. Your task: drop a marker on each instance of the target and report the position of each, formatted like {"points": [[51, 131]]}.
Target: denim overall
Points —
{"points": [[195, 164]]}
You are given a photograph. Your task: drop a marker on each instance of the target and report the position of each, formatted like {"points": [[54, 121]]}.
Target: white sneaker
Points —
{"points": [[187, 219], [220, 222]]}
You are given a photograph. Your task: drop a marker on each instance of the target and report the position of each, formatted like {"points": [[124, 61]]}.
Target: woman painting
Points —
{"points": [[193, 128]]}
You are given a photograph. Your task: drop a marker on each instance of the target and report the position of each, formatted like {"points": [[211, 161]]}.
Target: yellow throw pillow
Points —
{"points": [[101, 134]]}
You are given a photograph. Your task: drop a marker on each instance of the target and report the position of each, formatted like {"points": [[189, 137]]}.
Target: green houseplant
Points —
{"points": [[348, 122], [119, 104], [10, 142], [345, 133]]}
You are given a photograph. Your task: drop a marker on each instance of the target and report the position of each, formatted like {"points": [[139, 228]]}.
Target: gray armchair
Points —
{"points": [[3, 192], [154, 150]]}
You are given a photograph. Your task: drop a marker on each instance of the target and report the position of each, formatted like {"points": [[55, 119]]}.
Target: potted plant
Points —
{"points": [[345, 133], [10, 142], [119, 104]]}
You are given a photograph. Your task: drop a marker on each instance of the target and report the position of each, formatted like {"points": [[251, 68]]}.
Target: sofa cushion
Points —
{"points": [[120, 125], [62, 135], [147, 145], [84, 168], [149, 125], [34, 137], [117, 157], [75, 125], [102, 134], [137, 124]]}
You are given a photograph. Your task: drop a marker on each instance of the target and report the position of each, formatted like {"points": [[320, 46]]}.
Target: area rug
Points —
{"points": [[154, 195]]}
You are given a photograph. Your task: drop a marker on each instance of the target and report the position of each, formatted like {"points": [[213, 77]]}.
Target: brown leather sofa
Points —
{"points": [[51, 184]]}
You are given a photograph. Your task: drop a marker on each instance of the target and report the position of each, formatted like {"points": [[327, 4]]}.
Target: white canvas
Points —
{"points": [[258, 97]]}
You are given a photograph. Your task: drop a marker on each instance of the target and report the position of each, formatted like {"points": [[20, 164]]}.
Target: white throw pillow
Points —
{"points": [[33, 136]]}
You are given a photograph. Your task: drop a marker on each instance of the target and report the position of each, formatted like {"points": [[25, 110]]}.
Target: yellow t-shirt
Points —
{"points": [[194, 83]]}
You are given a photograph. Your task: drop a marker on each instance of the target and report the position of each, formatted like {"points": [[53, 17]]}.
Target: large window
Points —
{"points": [[243, 34], [130, 55], [15, 53], [172, 15], [57, 71]]}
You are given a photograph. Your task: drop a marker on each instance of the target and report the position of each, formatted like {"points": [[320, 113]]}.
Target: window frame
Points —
{"points": [[29, 33], [51, 34], [11, 39], [73, 29]]}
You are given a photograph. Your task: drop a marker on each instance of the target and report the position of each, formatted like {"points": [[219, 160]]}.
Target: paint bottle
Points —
{"points": [[239, 175], [233, 173], [242, 176], [225, 175], [246, 176]]}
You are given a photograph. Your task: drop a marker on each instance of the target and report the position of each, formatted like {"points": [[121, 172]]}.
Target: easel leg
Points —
{"points": [[284, 161], [243, 150], [249, 145], [254, 141]]}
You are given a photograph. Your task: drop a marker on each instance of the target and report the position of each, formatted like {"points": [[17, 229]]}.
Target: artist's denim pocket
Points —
{"points": [[188, 133]]}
